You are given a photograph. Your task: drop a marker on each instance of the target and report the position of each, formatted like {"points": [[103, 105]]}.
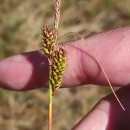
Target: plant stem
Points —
{"points": [[50, 101], [50, 116]]}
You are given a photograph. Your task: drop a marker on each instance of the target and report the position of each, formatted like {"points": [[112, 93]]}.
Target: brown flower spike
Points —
{"points": [[48, 40]]}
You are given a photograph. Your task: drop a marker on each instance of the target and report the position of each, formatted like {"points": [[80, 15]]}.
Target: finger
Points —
{"points": [[107, 114], [111, 48], [23, 72]]}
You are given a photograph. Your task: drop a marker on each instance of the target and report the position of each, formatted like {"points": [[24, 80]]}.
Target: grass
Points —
{"points": [[20, 25]]}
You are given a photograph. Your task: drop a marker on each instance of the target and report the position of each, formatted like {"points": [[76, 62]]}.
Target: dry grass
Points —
{"points": [[20, 25]]}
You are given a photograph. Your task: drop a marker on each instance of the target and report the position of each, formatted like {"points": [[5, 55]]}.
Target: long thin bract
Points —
{"points": [[96, 59]]}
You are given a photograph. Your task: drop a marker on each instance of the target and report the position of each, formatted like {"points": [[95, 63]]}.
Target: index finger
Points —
{"points": [[111, 48]]}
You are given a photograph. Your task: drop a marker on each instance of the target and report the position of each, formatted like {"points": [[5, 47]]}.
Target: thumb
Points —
{"points": [[107, 114]]}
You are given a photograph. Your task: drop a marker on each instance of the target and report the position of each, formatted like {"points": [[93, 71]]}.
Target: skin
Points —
{"points": [[111, 48]]}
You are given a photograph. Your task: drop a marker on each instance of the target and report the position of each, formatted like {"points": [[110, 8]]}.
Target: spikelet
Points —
{"points": [[58, 67], [48, 40], [57, 57]]}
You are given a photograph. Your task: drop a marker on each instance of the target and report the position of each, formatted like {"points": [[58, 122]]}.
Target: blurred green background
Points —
{"points": [[20, 26]]}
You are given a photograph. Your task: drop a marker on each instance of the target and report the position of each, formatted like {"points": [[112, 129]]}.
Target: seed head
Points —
{"points": [[59, 63], [48, 40]]}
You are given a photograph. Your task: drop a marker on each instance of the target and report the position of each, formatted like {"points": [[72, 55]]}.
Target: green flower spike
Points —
{"points": [[59, 64]]}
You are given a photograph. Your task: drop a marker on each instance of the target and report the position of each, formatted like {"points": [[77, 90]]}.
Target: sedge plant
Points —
{"points": [[57, 58]]}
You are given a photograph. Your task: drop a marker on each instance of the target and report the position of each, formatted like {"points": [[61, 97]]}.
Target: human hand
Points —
{"points": [[111, 48]]}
